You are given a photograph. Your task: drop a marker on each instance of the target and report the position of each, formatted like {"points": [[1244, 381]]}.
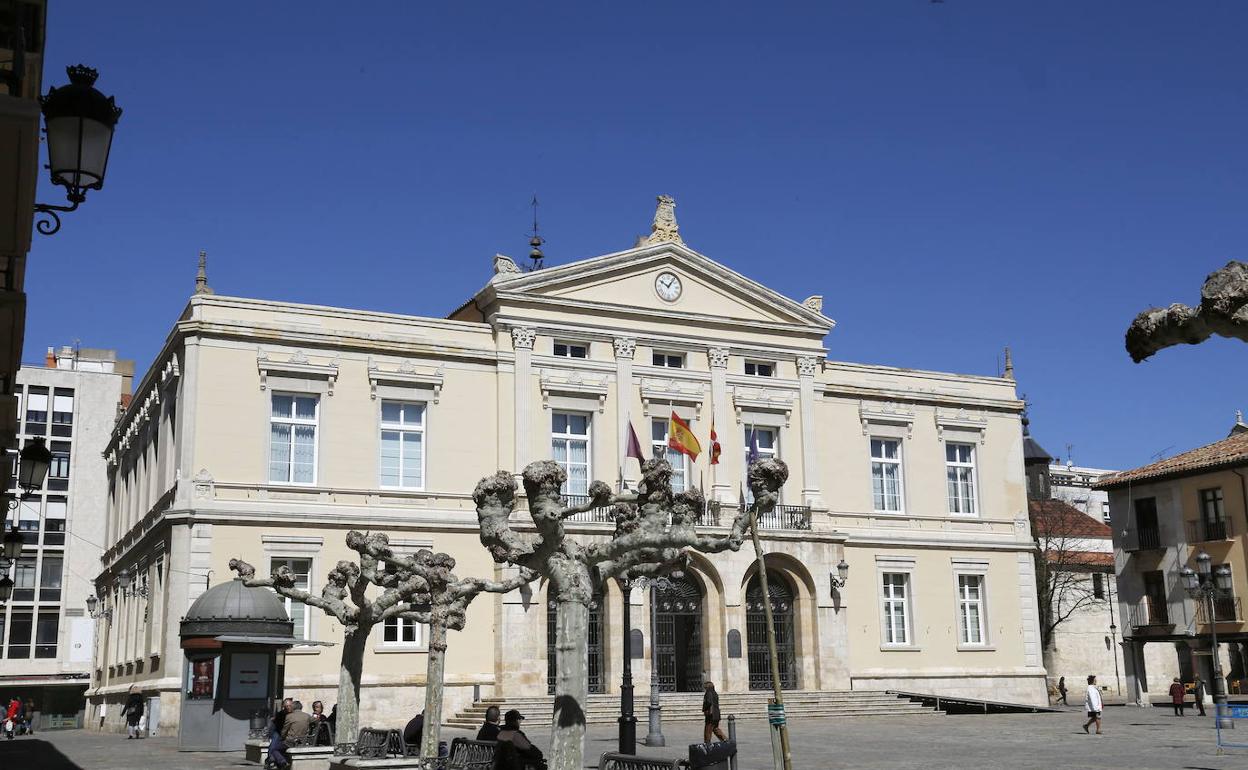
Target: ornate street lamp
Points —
{"points": [[841, 577], [1204, 585], [12, 545], [6, 589], [654, 733], [79, 124], [32, 467], [92, 601], [124, 580], [628, 720]]}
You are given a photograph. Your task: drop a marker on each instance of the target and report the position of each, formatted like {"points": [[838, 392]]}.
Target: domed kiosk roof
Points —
{"points": [[234, 609]]}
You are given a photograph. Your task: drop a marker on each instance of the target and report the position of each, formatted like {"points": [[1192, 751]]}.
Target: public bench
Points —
{"points": [[610, 761], [468, 754]]}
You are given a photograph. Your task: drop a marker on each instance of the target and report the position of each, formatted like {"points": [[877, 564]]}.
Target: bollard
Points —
{"points": [[476, 693], [732, 736]]}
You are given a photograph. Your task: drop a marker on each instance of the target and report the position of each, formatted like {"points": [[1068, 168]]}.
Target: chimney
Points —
{"points": [[50, 360]]}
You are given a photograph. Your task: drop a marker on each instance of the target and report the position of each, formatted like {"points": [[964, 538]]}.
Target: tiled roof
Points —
{"points": [[1229, 452], [1091, 560], [1057, 517]]}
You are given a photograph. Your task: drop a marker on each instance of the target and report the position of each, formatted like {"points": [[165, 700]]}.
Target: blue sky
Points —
{"points": [[952, 177]]}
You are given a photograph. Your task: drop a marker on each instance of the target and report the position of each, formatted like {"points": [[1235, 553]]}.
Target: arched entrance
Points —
{"points": [[756, 632], [678, 635], [597, 681]]}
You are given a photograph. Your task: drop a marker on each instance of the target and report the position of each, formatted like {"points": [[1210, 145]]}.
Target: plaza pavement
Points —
{"points": [[1134, 738]]}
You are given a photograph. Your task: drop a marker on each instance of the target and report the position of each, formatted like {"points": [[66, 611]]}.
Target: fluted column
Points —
{"points": [[806, 368], [625, 347], [721, 486], [522, 338]]}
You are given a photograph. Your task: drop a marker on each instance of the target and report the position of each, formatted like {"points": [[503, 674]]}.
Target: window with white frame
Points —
{"points": [[297, 611], [292, 438], [571, 350], [760, 368], [659, 448], [960, 472], [886, 489], [971, 610], [569, 446], [895, 608], [403, 444], [402, 632], [668, 360]]}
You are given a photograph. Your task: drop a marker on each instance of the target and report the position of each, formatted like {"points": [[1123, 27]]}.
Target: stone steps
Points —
{"points": [[687, 707]]}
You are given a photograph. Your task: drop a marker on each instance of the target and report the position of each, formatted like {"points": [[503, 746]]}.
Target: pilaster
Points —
{"points": [[721, 489], [522, 338], [625, 347], [806, 368]]}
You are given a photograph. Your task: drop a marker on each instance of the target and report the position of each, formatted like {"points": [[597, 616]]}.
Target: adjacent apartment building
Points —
{"points": [[265, 430], [1163, 515], [46, 632]]}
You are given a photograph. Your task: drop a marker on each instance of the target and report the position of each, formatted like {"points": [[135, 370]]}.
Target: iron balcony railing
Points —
{"points": [[1144, 539], [781, 517], [606, 514], [1150, 612], [1202, 531], [1226, 609]]}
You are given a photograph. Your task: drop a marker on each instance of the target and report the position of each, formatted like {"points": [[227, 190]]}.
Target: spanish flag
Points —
{"points": [[681, 438], [715, 447]]}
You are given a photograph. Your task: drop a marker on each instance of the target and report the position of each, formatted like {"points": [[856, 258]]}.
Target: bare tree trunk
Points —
{"points": [[771, 641], [567, 740], [433, 690], [349, 674]]}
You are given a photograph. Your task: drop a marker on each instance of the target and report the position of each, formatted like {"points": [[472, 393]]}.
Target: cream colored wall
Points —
{"points": [[1233, 551]]}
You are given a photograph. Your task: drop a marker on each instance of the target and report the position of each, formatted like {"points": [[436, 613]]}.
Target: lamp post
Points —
{"points": [[654, 733], [628, 721], [32, 466], [1205, 585], [79, 123]]}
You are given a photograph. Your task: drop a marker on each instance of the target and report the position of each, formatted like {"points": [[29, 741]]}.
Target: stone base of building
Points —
{"points": [[1027, 689]]}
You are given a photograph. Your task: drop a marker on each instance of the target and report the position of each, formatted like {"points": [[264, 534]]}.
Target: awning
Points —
{"points": [[276, 641]]}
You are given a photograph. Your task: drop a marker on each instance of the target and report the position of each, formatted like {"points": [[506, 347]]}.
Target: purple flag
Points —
{"points": [[753, 455], [633, 447]]}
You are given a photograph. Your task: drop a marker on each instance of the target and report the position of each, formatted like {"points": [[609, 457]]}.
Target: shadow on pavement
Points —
{"points": [[34, 753]]}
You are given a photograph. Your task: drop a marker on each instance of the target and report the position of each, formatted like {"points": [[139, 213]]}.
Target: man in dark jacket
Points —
{"points": [[710, 711], [134, 712], [415, 730], [489, 730], [519, 753]]}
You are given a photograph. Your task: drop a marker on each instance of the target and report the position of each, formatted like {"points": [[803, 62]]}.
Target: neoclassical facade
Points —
{"points": [[266, 430]]}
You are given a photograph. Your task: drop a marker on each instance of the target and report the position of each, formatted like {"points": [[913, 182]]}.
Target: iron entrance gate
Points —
{"points": [[756, 632], [678, 636], [596, 683]]}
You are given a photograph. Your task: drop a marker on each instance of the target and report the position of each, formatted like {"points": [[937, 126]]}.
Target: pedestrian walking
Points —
{"points": [[133, 711], [10, 717], [1092, 705], [1178, 694], [1198, 688], [28, 717], [710, 712], [1061, 690]]}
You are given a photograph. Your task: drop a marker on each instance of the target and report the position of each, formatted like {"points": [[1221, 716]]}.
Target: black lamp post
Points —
{"points": [[12, 545], [6, 589], [628, 721], [79, 122], [1205, 585], [32, 467]]}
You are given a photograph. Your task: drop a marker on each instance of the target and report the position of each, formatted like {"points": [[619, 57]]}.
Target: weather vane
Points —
{"points": [[535, 243]]}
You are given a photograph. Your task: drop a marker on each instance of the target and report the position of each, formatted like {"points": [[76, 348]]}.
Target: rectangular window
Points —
{"points": [[668, 360], [62, 412], [297, 611], [760, 369], [896, 610], [960, 471], [763, 440], [402, 632], [24, 579], [569, 446], [1105, 512], [1148, 534], [1098, 585], [58, 471], [571, 350], [20, 629], [1212, 515], [886, 474], [45, 635], [28, 521], [402, 444], [37, 412], [659, 448], [292, 439], [971, 609], [50, 579], [54, 521]]}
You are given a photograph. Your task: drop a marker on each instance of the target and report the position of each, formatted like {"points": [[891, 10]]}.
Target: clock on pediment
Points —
{"points": [[667, 286]]}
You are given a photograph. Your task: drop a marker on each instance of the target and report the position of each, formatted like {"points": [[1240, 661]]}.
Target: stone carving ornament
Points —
{"points": [[808, 366], [625, 347], [523, 337], [718, 358], [664, 229]]}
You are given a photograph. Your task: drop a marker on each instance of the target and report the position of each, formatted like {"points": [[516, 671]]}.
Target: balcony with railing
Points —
{"points": [[1226, 609], [1205, 531], [1143, 539], [601, 515], [1150, 612], [790, 517]]}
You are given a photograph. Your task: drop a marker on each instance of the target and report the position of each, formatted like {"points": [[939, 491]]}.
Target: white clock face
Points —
{"points": [[668, 286]]}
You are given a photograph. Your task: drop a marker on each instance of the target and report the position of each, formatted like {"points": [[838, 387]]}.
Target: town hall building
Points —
{"points": [[266, 430]]}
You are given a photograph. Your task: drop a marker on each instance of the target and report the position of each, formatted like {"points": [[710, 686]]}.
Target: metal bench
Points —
{"points": [[610, 761], [467, 754], [374, 743]]}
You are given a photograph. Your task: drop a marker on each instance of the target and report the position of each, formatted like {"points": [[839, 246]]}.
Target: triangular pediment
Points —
{"points": [[628, 281]]}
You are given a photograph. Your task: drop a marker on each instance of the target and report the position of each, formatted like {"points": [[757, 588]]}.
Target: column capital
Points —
{"points": [[625, 347], [523, 337], [718, 357], [808, 366]]}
